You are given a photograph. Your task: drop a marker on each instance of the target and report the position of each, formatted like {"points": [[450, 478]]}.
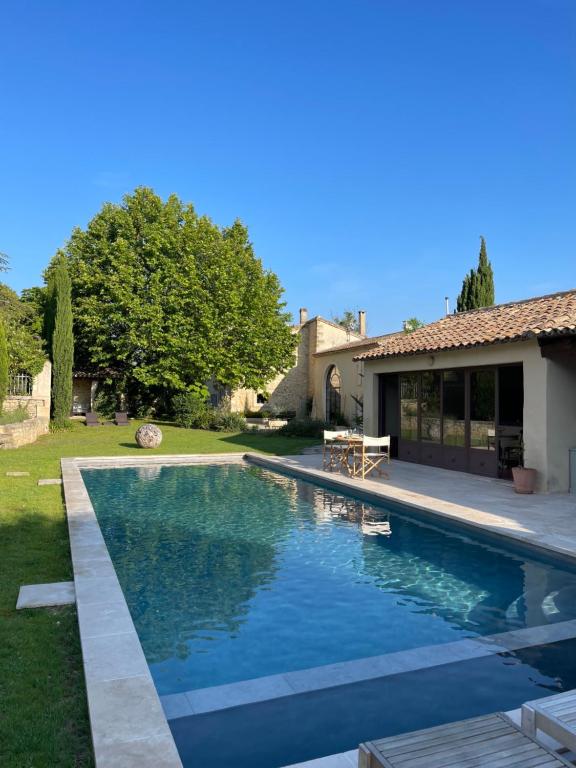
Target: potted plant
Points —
{"points": [[524, 477]]}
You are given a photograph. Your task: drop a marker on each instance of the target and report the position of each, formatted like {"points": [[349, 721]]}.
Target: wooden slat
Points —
{"points": [[450, 755], [460, 745], [441, 737], [491, 741], [445, 730]]}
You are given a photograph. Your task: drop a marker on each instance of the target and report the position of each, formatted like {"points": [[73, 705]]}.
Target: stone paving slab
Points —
{"points": [[17, 474], [50, 481], [46, 595]]}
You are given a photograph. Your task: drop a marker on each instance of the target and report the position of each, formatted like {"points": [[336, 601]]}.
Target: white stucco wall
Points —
{"points": [[561, 421], [546, 398]]}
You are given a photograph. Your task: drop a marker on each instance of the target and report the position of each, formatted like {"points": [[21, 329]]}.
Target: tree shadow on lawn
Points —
{"points": [[273, 443], [41, 679]]}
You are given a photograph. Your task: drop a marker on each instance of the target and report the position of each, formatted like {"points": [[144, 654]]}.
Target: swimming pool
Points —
{"points": [[236, 572]]}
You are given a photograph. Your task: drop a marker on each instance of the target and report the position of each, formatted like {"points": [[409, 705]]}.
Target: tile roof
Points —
{"points": [[529, 319]]}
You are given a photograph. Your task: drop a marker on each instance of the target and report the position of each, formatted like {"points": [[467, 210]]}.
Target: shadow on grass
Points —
{"points": [[269, 443], [45, 717]]}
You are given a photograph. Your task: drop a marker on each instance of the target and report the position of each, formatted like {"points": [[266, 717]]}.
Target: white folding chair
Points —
{"points": [[372, 459], [331, 450]]}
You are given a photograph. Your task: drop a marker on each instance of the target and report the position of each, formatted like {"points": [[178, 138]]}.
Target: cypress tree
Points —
{"points": [[49, 313], [62, 344], [485, 277], [478, 286], [3, 364]]}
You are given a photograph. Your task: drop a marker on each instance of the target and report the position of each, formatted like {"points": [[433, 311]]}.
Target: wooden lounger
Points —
{"points": [[121, 419], [491, 741], [553, 715]]}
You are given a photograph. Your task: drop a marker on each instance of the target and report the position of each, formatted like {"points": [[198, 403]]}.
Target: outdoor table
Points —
{"points": [[351, 454], [349, 445]]}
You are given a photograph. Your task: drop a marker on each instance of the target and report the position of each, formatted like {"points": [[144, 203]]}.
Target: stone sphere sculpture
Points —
{"points": [[148, 436]]}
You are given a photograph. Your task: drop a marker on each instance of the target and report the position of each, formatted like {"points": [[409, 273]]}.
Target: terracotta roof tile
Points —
{"points": [[532, 318]]}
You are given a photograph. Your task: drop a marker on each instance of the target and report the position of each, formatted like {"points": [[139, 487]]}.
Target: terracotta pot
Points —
{"points": [[524, 479]]}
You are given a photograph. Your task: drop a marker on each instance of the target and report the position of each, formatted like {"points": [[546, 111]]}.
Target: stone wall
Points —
{"points": [[38, 403], [22, 433], [295, 389]]}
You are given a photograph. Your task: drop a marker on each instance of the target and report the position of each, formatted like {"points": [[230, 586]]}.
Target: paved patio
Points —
{"points": [[543, 520]]}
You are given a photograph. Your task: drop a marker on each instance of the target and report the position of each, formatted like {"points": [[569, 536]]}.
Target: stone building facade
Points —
{"points": [[300, 390]]}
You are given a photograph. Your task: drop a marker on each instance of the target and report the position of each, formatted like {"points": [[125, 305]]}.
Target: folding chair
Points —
{"points": [[332, 451], [372, 459]]}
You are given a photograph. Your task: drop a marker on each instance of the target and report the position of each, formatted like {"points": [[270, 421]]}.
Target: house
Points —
{"points": [[480, 391], [296, 391], [84, 387]]}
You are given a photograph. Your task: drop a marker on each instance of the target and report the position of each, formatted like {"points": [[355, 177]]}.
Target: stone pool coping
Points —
{"points": [[129, 726]]}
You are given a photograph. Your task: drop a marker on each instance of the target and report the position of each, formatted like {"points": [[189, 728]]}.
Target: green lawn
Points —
{"points": [[43, 714]]}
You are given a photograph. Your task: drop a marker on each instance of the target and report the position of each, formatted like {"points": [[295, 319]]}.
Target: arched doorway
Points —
{"points": [[333, 395]]}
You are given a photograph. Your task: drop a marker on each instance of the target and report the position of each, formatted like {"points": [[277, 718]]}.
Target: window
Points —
{"points": [[333, 397], [409, 406], [454, 406], [430, 424], [261, 398], [483, 410]]}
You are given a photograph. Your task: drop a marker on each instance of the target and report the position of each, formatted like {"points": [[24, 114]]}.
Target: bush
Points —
{"points": [[223, 420], [106, 401], [61, 424], [191, 410], [15, 416], [303, 428]]}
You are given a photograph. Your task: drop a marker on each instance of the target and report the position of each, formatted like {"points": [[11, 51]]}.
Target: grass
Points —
{"points": [[43, 712], [14, 417]]}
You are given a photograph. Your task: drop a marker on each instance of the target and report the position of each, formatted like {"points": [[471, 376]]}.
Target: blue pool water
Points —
{"points": [[236, 572]]}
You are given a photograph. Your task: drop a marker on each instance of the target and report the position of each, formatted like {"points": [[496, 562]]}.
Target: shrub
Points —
{"points": [[15, 416], [191, 410], [225, 421], [60, 425], [303, 428], [105, 401]]}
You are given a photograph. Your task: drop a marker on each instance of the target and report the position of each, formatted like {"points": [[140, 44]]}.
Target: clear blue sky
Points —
{"points": [[366, 144]]}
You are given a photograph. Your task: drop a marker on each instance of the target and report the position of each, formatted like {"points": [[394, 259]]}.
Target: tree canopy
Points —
{"points": [[348, 320], [166, 299], [25, 351], [478, 286], [412, 324]]}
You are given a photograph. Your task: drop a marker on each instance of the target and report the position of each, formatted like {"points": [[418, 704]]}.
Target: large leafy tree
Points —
{"points": [[25, 351], [166, 300], [478, 286], [62, 340]]}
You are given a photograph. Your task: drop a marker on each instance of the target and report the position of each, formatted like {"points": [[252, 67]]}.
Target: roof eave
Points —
{"points": [[366, 357]]}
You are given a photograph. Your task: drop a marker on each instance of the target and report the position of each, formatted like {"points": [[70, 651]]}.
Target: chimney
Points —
{"points": [[303, 315], [362, 322]]}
